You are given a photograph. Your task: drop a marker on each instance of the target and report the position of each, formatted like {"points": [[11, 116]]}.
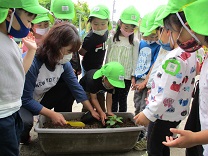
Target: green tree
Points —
{"points": [[81, 9], [45, 3]]}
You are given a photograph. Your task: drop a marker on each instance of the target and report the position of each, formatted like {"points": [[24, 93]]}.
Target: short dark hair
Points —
{"points": [[172, 20], [19, 10], [60, 35]]}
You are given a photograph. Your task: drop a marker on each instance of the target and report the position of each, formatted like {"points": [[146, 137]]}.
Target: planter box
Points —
{"points": [[71, 141]]}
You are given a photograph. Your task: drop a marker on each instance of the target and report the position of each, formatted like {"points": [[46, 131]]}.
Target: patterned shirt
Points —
{"points": [[172, 87]]}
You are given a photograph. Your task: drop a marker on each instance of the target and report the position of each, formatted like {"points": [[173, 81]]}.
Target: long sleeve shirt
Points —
{"points": [[172, 87], [39, 80], [124, 53]]}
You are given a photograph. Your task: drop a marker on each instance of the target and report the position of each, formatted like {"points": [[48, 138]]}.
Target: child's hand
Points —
{"points": [[29, 42], [95, 115], [141, 119], [103, 117], [141, 86], [110, 113]]}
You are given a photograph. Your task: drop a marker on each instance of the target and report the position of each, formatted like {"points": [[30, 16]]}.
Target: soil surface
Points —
{"points": [[93, 125]]}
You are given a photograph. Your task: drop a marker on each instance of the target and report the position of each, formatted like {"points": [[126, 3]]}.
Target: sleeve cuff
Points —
{"points": [[149, 115]]}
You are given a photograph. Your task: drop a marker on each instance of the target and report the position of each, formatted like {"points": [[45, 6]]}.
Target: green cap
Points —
{"points": [[173, 6], [130, 15], [114, 72], [63, 9], [197, 16], [40, 18], [31, 6], [100, 11], [3, 14], [157, 13], [143, 23]]}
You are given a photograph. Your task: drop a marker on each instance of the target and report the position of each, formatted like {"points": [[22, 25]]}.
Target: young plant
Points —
{"points": [[112, 121]]}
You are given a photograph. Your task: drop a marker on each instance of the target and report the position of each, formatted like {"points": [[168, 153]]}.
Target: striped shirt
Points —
{"points": [[124, 53]]}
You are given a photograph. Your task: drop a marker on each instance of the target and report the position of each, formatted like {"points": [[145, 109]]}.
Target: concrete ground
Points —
{"points": [[34, 148]]}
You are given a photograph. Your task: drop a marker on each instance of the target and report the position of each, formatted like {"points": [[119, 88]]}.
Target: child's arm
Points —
{"points": [[98, 108], [82, 51], [187, 138], [30, 43], [109, 103]]}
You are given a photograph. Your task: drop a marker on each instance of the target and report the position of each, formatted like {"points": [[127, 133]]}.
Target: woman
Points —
{"points": [[50, 64]]}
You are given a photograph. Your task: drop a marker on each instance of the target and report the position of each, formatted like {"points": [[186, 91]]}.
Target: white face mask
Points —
{"points": [[149, 42], [66, 59], [42, 31], [100, 32]]}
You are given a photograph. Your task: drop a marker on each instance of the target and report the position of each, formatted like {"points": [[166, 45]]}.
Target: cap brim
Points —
{"points": [[64, 16], [97, 74], [130, 22], [42, 19], [118, 84], [164, 14], [38, 9], [98, 16], [142, 29], [3, 14]]}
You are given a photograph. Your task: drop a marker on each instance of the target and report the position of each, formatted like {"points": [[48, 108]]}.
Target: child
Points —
{"points": [[123, 48], [168, 102], [63, 10], [148, 51], [198, 26], [50, 64], [40, 26], [94, 45], [105, 79], [14, 23]]}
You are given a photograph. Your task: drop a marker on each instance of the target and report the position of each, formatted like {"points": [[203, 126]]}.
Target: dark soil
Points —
{"points": [[94, 125]]}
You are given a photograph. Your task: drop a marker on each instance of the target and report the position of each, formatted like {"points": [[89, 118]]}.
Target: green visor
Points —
{"points": [[3, 14], [63, 9], [173, 6], [130, 15], [40, 18], [197, 16], [114, 72], [100, 11], [31, 6]]}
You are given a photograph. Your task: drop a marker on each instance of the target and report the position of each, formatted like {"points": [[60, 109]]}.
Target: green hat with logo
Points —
{"points": [[63, 9], [157, 13], [40, 18], [173, 6], [31, 6], [114, 72], [197, 16], [100, 11], [130, 15], [3, 14]]}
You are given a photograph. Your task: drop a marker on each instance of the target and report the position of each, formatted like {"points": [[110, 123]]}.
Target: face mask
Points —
{"points": [[166, 46], [42, 31], [104, 85], [192, 44], [66, 59], [189, 46], [23, 32], [126, 34], [149, 42], [100, 32]]}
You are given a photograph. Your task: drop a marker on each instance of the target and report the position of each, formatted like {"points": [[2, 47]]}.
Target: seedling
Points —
{"points": [[112, 121]]}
